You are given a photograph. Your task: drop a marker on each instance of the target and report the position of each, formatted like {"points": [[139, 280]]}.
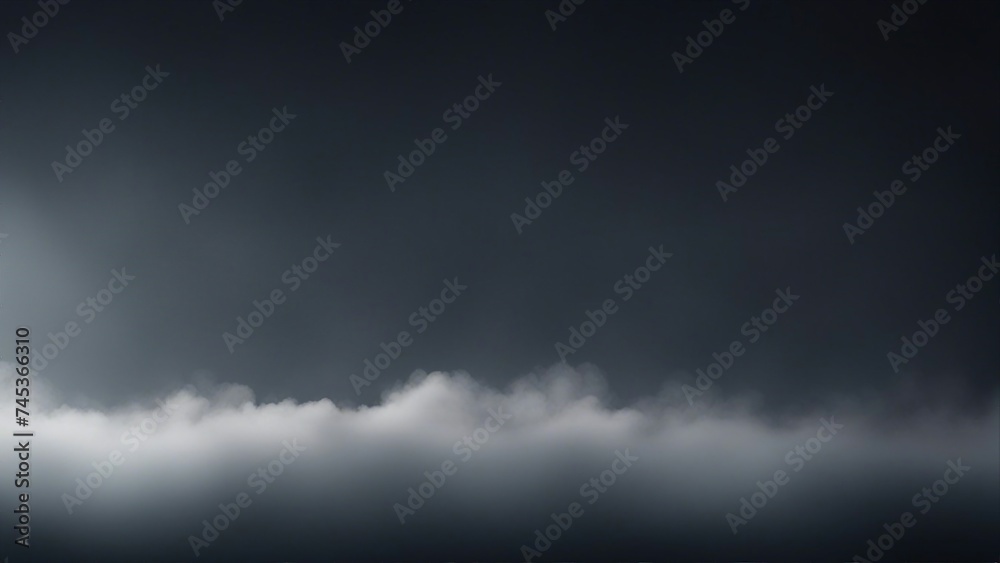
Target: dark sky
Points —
{"points": [[655, 185]]}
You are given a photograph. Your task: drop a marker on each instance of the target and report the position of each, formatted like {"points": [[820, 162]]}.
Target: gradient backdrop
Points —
{"points": [[447, 367]]}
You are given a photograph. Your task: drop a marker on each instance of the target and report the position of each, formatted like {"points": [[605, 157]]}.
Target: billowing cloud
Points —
{"points": [[445, 467]]}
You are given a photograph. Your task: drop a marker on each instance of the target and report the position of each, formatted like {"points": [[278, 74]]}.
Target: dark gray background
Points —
{"points": [[653, 186]]}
